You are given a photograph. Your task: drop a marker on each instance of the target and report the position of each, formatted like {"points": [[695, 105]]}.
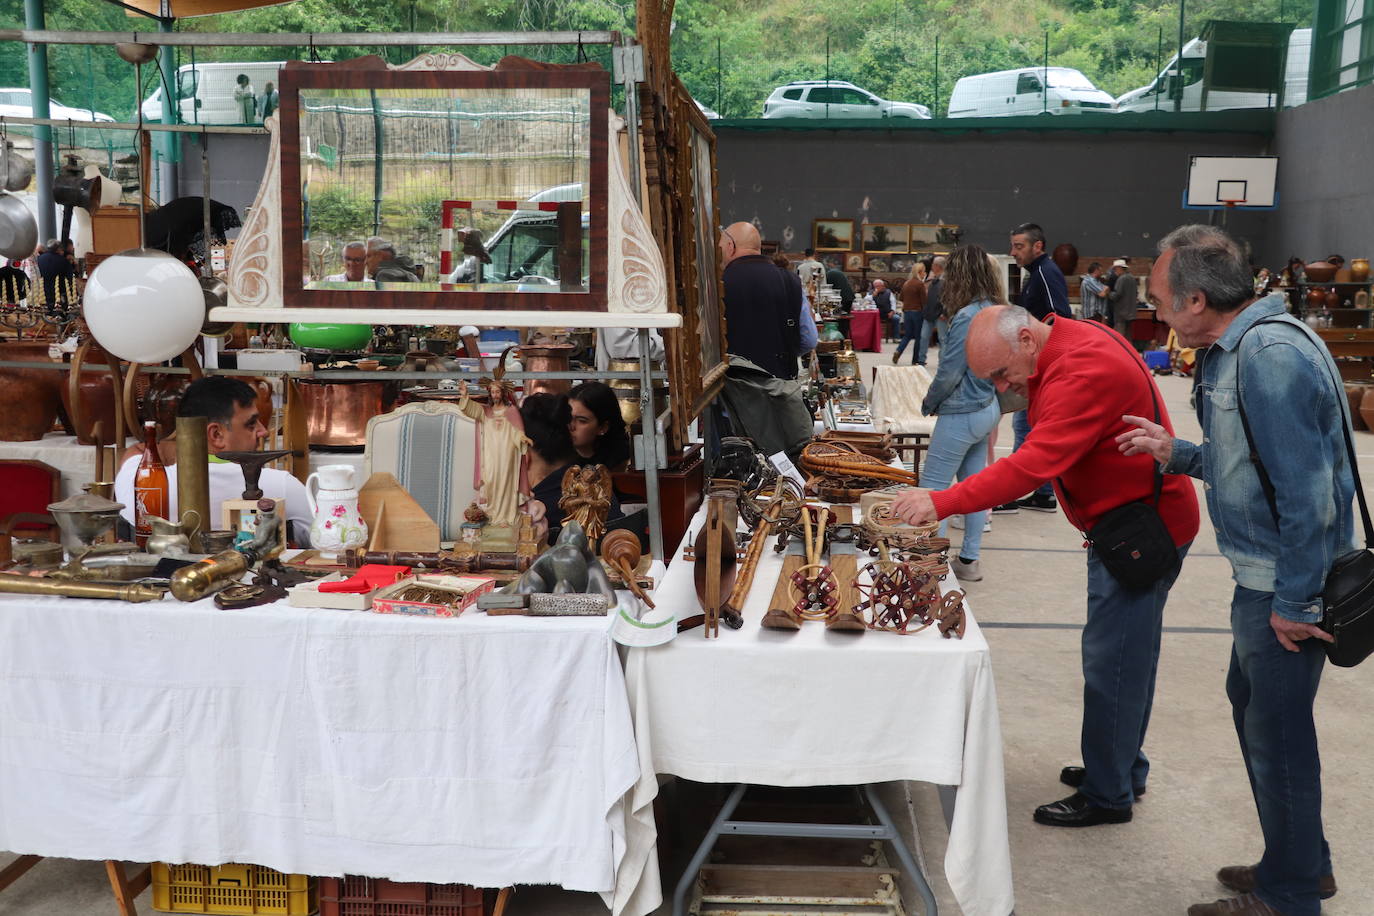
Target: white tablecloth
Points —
{"points": [[489, 751], [812, 707]]}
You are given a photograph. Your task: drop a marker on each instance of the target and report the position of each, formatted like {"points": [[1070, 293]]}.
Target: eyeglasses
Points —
{"points": [[726, 232]]}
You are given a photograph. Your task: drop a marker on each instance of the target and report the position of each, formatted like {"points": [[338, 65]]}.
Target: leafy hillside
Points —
{"points": [[730, 53]]}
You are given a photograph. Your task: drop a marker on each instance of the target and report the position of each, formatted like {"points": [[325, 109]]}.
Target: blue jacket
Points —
{"points": [[1296, 410], [1043, 289], [955, 389]]}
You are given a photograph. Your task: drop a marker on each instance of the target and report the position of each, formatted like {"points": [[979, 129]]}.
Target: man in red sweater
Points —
{"points": [[1081, 378]]}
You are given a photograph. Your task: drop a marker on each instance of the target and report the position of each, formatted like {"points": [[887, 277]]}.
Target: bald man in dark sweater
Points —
{"points": [[762, 304]]}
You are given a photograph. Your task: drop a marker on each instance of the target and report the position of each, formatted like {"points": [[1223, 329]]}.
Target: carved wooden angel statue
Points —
{"points": [[501, 475], [587, 498]]}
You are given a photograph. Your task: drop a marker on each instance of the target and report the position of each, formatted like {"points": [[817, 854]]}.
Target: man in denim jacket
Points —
{"points": [[1280, 555]]}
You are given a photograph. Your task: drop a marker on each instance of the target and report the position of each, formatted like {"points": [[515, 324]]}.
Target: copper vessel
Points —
{"points": [[32, 396], [336, 413], [546, 355], [97, 394]]}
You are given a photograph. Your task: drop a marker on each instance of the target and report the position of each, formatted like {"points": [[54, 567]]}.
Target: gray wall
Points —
{"points": [[1326, 179], [1106, 193], [237, 162]]}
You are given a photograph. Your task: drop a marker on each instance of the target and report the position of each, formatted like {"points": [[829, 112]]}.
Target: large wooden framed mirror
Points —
{"points": [[444, 189]]}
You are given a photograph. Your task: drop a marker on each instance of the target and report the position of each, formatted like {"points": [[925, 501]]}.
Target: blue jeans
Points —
{"points": [[1021, 427], [1120, 656], [923, 345], [911, 330], [959, 447], [1271, 692]]}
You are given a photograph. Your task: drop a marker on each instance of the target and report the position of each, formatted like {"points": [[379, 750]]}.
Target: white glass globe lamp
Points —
{"points": [[144, 306]]}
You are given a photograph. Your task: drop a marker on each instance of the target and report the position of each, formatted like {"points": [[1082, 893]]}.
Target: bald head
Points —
{"points": [[738, 240], [1004, 342]]}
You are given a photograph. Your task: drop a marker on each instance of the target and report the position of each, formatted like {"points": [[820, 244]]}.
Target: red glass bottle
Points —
{"points": [[151, 492]]}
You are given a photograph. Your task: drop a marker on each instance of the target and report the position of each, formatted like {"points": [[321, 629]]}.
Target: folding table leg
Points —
{"points": [[125, 888], [689, 876], [904, 856], [10, 873]]}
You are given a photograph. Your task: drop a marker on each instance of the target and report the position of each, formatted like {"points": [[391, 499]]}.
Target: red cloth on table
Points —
{"points": [[866, 331]]}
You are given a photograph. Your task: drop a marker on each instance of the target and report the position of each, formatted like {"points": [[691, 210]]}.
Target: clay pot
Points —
{"points": [[1332, 298], [1359, 269], [32, 396], [1316, 297], [1320, 272], [1354, 393], [1065, 257], [1367, 406]]}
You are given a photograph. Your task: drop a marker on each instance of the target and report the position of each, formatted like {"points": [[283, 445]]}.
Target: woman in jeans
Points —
{"points": [[965, 405], [913, 303]]}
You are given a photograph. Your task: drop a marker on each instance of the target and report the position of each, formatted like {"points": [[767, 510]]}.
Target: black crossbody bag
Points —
{"points": [[1132, 541], [1348, 593]]}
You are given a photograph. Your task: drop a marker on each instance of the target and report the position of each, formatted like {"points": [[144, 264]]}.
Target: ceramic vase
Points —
{"points": [[333, 500], [1332, 298], [1359, 269]]}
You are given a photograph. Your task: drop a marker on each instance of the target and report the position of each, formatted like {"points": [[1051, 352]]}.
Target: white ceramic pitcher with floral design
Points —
{"points": [[334, 504]]}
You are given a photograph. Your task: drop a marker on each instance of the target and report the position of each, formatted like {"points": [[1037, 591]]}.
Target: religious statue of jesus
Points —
{"points": [[501, 476]]}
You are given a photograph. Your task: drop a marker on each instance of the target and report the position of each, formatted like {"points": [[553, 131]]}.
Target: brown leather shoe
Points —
{"points": [[1241, 879], [1244, 905]]}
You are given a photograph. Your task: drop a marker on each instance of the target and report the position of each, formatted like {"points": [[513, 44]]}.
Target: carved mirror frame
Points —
{"points": [[333, 76]]}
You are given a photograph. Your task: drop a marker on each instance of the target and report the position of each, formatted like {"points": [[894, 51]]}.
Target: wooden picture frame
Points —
{"points": [[878, 263], [887, 238], [832, 235], [902, 263], [833, 260], [433, 295], [854, 260]]}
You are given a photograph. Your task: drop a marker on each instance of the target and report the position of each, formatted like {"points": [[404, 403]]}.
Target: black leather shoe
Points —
{"points": [[1073, 778], [1077, 811]]}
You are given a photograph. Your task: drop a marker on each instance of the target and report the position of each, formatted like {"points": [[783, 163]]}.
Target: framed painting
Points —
{"points": [[854, 261], [832, 235], [887, 237], [878, 263]]}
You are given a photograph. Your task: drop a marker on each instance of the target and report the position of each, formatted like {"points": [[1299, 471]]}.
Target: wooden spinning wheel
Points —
{"points": [[897, 596], [813, 591]]}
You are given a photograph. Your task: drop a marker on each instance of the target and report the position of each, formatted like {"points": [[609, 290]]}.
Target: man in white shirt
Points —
{"points": [[810, 268], [355, 265], [232, 425]]}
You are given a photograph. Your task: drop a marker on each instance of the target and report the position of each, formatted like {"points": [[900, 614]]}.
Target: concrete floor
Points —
{"points": [[1198, 815]]}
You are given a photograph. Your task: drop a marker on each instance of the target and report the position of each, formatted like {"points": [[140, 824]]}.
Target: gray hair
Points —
{"points": [[52, 243], [1032, 232], [362, 245], [1207, 261], [1011, 320], [377, 243]]}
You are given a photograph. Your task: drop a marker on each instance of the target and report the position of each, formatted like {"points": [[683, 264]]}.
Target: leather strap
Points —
{"points": [[1266, 484]]}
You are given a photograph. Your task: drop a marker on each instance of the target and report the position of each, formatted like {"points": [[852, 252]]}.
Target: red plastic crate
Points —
{"points": [[353, 895]]}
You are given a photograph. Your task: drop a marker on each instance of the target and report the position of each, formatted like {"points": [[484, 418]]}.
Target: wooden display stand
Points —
{"points": [[125, 889], [680, 489]]}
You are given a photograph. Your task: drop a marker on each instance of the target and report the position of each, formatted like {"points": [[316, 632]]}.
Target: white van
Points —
{"points": [[1188, 83], [1027, 91], [205, 91], [525, 249]]}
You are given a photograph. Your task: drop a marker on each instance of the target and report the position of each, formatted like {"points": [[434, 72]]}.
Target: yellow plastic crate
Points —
{"points": [[232, 889]]}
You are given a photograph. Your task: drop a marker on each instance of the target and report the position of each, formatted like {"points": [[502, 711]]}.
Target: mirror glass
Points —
{"points": [[445, 190]]}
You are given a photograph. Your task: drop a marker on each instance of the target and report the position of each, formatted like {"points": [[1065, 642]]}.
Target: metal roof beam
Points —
{"points": [[319, 39]]}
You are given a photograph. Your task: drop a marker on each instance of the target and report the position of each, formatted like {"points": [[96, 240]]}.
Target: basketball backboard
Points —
{"points": [[1240, 182]]}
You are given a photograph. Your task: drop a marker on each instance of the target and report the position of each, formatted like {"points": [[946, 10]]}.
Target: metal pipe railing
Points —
{"points": [[318, 39]]}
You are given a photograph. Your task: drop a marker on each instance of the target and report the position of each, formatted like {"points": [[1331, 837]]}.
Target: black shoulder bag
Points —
{"points": [[1348, 593], [1132, 541]]}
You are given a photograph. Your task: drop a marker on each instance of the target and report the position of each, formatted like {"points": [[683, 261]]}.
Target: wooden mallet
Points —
{"points": [[620, 549]]}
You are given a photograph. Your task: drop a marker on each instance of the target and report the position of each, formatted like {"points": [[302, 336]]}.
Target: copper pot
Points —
{"points": [[336, 413], [32, 396], [1316, 297], [98, 398], [1333, 298], [547, 356]]}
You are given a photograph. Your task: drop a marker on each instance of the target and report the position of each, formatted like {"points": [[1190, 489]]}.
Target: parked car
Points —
{"points": [[835, 99], [17, 102], [1027, 91], [205, 92], [710, 113], [1185, 83]]}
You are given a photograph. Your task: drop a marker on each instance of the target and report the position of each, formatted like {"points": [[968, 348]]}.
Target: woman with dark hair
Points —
{"points": [[548, 418], [597, 428]]}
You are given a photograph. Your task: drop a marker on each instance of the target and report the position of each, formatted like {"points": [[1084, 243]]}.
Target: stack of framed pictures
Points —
{"points": [[883, 248]]}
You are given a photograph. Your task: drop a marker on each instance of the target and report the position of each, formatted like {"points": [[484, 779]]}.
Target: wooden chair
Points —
{"points": [[27, 488], [430, 448]]}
